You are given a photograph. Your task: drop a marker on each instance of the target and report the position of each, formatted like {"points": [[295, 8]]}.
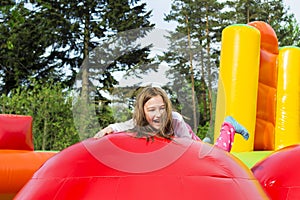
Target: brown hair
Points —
{"points": [[141, 125]]}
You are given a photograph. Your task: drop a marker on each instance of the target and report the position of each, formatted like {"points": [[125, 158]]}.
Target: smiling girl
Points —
{"points": [[153, 115]]}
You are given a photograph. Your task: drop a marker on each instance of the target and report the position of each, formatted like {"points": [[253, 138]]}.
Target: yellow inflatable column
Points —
{"points": [[287, 128], [238, 81]]}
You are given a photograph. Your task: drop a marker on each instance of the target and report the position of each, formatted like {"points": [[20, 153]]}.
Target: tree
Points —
{"points": [[50, 107], [199, 22], [56, 36], [57, 39], [284, 24], [18, 55], [203, 22], [271, 12]]}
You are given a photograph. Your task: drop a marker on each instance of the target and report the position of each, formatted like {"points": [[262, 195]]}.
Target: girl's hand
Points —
{"points": [[104, 132]]}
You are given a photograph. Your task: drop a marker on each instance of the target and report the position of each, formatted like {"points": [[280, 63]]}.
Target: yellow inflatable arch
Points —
{"points": [[259, 85]]}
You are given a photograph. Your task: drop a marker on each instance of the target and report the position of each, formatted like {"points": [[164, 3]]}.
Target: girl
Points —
{"points": [[153, 115]]}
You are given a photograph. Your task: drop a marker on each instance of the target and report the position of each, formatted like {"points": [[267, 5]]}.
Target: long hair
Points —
{"points": [[142, 126]]}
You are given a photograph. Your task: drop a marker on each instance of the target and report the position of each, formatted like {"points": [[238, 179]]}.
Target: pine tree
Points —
{"points": [[57, 39], [271, 12], [58, 35], [200, 23]]}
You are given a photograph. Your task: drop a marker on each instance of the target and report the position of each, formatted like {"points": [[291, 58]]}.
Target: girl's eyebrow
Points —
{"points": [[154, 106]]}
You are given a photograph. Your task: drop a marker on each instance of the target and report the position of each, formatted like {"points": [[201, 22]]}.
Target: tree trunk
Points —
{"points": [[209, 97], [192, 76], [84, 100], [45, 133]]}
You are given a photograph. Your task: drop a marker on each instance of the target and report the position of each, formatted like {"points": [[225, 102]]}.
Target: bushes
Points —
{"points": [[51, 109]]}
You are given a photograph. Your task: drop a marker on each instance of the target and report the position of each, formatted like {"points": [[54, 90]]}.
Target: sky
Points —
{"points": [[161, 7]]}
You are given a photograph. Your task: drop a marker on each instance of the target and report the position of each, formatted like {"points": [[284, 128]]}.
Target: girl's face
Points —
{"points": [[154, 109]]}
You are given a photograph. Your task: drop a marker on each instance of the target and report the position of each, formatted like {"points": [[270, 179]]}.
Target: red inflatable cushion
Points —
{"points": [[279, 173], [16, 132], [120, 166]]}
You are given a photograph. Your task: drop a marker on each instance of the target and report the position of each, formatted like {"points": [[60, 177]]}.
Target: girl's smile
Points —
{"points": [[154, 109]]}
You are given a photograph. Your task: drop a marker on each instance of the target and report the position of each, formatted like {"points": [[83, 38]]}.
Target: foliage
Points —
{"points": [[57, 43], [203, 130], [202, 22], [195, 56], [51, 109], [272, 12], [50, 39]]}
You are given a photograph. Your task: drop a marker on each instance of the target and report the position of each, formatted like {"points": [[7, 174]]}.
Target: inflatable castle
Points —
{"points": [[259, 85]]}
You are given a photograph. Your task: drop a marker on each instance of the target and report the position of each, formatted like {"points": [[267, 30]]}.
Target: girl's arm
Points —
{"points": [[181, 128], [116, 127]]}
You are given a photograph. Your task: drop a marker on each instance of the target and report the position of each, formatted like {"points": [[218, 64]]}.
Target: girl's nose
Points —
{"points": [[158, 113]]}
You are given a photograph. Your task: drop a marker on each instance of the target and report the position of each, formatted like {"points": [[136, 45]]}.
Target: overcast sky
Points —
{"points": [[162, 7]]}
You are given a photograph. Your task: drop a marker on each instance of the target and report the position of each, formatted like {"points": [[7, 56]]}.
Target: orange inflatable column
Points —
{"points": [[238, 81], [267, 88], [287, 130]]}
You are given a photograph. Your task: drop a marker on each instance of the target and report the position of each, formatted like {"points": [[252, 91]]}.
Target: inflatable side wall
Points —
{"points": [[267, 88], [265, 100], [19, 161]]}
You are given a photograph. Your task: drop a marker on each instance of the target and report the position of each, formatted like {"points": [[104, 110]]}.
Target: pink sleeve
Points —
{"points": [[181, 128], [194, 136]]}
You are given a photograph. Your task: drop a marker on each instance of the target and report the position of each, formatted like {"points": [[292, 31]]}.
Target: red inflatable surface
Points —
{"points": [[16, 132], [279, 173], [121, 167], [18, 159]]}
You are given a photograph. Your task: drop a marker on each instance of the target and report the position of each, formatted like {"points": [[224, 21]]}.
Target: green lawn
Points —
{"points": [[251, 158]]}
